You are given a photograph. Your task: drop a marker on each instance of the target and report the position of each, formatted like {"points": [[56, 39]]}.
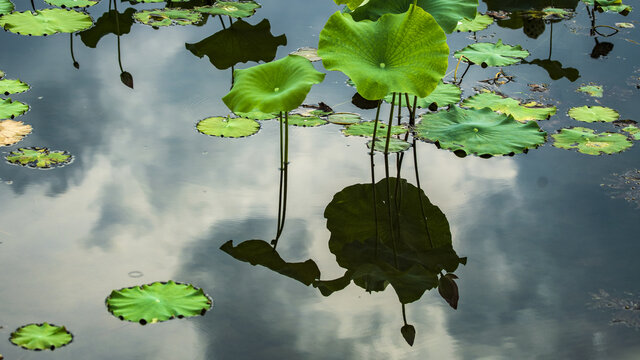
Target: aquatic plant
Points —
{"points": [[228, 127], [633, 131], [308, 53], [11, 132], [41, 336], [442, 95], [592, 90], [36, 157], [368, 129], [11, 109], [478, 23], [344, 118], [45, 22], [593, 113], [71, 3], [167, 17], [10, 86], [492, 54], [236, 9], [6, 6], [587, 141], [509, 106], [305, 121], [394, 145]]}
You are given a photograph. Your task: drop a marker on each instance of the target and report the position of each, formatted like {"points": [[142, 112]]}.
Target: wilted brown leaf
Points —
{"points": [[12, 131]]}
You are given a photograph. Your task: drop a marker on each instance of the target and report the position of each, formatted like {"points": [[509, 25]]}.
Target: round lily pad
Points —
{"points": [[490, 54], [12, 132], [71, 3], [236, 9], [257, 115], [593, 113], [592, 90], [634, 131], [509, 106], [587, 141], [442, 95], [11, 109], [479, 131], [228, 127], [158, 301], [9, 86], [305, 121], [366, 129], [167, 17], [344, 118], [395, 145], [308, 53], [40, 158], [45, 22], [41, 336], [404, 53], [6, 6], [478, 23]]}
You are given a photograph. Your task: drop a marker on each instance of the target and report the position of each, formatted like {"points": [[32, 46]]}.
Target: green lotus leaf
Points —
{"points": [[11, 109], [41, 336], [12, 132], [45, 22], [259, 252], [305, 121], [8, 86], [157, 1], [158, 301], [555, 69], [280, 85], [257, 115], [228, 127], [634, 131], [447, 13], [509, 106], [395, 145], [6, 6], [71, 3], [241, 42], [308, 53], [478, 23], [404, 53], [442, 95], [40, 158], [167, 17], [351, 4], [236, 9], [589, 142], [609, 5], [479, 131], [366, 129], [593, 113], [592, 90], [344, 118], [491, 54], [107, 24]]}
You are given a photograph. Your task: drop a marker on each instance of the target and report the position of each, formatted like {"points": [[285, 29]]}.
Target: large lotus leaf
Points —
{"points": [[478, 23], [366, 129], [305, 121], [107, 24], [395, 145], [158, 301], [11, 109], [6, 6], [446, 12], [8, 86], [236, 9], [555, 69], [593, 113], [404, 53], [37, 157], [241, 42], [589, 142], [592, 90], [491, 54], [12, 132], [442, 95], [479, 131], [71, 3], [228, 127], [351, 4], [41, 336], [45, 22], [509, 106], [259, 252], [167, 17], [280, 85]]}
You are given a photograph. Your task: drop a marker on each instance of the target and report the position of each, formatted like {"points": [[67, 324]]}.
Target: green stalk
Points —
{"points": [[386, 146], [375, 125]]}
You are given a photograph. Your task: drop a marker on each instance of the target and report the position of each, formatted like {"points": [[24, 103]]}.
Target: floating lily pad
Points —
{"points": [[6, 6], [305, 121], [71, 3], [40, 158], [111, 22], [344, 118], [490, 54], [41, 336], [156, 1], [442, 95], [405, 53], [308, 53], [280, 85], [479, 131], [625, 25], [634, 131], [158, 301], [167, 17], [45, 22], [587, 141], [509, 106], [12, 132], [228, 127], [592, 90], [257, 115], [395, 145], [478, 23], [609, 5], [236, 9], [593, 113], [8, 86], [366, 129], [11, 109]]}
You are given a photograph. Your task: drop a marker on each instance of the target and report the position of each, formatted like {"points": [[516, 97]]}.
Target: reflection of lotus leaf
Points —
{"points": [[8, 86], [555, 69], [11, 109], [41, 336], [592, 90], [446, 12], [509, 106], [45, 22], [480, 22], [228, 127], [37, 157], [589, 142], [344, 118], [442, 95], [158, 301], [395, 145], [593, 113], [366, 129], [71, 3], [479, 131], [280, 85], [167, 17], [497, 54], [107, 24], [609, 5], [12, 131], [236, 9], [6, 6], [404, 53], [305, 121]]}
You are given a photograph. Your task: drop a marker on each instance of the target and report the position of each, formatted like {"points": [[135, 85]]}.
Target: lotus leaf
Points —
{"points": [[280, 85], [634, 131], [366, 129], [241, 42], [45, 22], [405, 53], [257, 115], [236, 9], [308, 53], [11, 109], [344, 118], [157, 1], [351, 4], [228, 127], [12, 132], [167, 17], [479, 131], [447, 13], [491, 54], [40, 158], [158, 301], [589, 142], [259, 252], [395, 145], [593, 113], [592, 90], [71, 3], [305, 121], [625, 25], [8, 86], [509, 106], [41, 336], [6, 6], [107, 24], [609, 5], [479, 22], [442, 95]]}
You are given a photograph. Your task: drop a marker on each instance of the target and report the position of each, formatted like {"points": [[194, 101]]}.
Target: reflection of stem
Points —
{"points": [[550, 40], [404, 314], [391, 233], [118, 34], [75, 63], [284, 176], [375, 207], [464, 73], [424, 216], [230, 20], [221, 22]]}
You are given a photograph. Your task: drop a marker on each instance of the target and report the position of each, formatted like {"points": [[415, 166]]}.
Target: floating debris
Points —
{"points": [[626, 310], [625, 186]]}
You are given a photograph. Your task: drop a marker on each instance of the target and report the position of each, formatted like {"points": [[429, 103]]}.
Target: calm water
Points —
{"points": [[148, 195]]}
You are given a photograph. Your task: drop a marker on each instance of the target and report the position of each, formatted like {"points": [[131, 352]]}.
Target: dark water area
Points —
{"points": [[550, 236]]}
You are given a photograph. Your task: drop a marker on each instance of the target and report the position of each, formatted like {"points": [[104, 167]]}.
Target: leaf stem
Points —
{"points": [[386, 146], [375, 124]]}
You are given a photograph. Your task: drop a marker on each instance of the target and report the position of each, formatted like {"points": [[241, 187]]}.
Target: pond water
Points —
{"points": [[550, 236]]}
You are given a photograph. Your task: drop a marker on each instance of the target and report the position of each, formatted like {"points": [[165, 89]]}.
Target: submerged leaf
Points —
{"points": [[236, 9], [41, 336], [228, 127], [45, 22], [11, 109], [37, 157], [12, 132], [478, 23], [167, 17], [593, 90], [366, 129], [71, 3], [395, 145], [509, 106], [588, 142], [8, 86], [490, 54], [593, 113]]}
